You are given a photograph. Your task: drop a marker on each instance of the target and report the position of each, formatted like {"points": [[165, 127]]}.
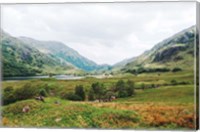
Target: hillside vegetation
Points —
{"points": [[173, 52], [158, 103], [21, 60], [152, 91]]}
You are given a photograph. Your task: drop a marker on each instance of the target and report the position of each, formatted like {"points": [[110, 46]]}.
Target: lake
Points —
{"points": [[58, 77]]}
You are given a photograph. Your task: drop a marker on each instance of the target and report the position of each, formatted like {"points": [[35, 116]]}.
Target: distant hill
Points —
{"points": [[26, 56], [64, 53], [19, 59], [176, 51]]}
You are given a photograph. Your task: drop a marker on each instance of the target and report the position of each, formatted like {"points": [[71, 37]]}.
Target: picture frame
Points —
{"points": [[91, 79]]}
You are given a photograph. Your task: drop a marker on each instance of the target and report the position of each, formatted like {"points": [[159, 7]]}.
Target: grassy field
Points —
{"points": [[166, 106]]}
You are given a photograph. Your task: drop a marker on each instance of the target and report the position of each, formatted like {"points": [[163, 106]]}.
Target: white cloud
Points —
{"points": [[104, 33]]}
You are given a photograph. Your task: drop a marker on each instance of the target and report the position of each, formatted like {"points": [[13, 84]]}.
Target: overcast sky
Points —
{"points": [[104, 33]]}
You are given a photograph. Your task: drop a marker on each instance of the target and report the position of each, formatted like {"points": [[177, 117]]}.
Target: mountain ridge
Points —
{"points": [[170, 48], [63, 52], [22, 60]]}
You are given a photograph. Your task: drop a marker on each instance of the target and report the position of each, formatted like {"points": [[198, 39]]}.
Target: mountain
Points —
{"points": [[64, 53], [19, 59], [176, 51]]}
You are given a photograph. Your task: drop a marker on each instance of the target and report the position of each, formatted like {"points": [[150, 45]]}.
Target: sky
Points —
{"points": [[105, 33]]}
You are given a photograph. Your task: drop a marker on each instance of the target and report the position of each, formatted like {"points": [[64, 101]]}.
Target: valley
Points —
{"points": [[154, 90], [167, 105]]}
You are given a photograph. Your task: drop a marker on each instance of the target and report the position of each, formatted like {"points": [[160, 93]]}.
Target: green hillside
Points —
{"points": [[21, 60], [174, 52], [64, 53]]}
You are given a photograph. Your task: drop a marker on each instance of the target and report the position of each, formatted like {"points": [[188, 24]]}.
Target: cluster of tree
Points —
{"points": [[151, 70], [99, 92], [77, 95], [174, 82], [120, 90], [147, 70], [27, 91]]}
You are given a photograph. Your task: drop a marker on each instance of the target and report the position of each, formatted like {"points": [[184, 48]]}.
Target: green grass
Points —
{"points": [[132, 112], [170, 94], [67, 114]]}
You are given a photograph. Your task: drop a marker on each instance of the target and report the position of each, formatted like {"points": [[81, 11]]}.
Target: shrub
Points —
{"points": [[72, 96], [122, 94], [99, 90], [8, 89], [173, 82], [176, 69], [43, 92], [124, 89], [183, 82], [108, 95], [142, 86], [91, 96], [130, 88], [11, 95], [120, 85], [8, 95], [79, 91], [153, 86], [25, 92]]}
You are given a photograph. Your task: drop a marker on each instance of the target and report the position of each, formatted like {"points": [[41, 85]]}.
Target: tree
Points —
{"points": [[72, 96], [98, 89], [120, 85], [121, 89], [91, 95], [130, 88], [79, 91], [108, 95], [122, 93], [142, 86]]}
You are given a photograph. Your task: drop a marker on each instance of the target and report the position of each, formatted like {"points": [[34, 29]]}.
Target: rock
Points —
{"points": [[57, 102], [40, 98], [58, 119], [26, 109]]}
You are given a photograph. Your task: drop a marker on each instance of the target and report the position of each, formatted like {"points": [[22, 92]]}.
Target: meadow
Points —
{"points": [[160, 101]]}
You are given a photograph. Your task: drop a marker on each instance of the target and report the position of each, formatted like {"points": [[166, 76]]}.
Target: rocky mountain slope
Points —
{"points": [[176, 51]]}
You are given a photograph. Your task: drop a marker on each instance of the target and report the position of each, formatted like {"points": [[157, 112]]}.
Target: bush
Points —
{"points": [[98, 89], [130, 88], [72, 96], [11, 95], [26, 92], [120, 85], [108, 95], [79, 91], [183, 82], [176, 69], [174, 82], [153, 86], [122, 94], [91, 96], [43, 92], [8, 89], [124, 89], [8, 95], [142, 86]]}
